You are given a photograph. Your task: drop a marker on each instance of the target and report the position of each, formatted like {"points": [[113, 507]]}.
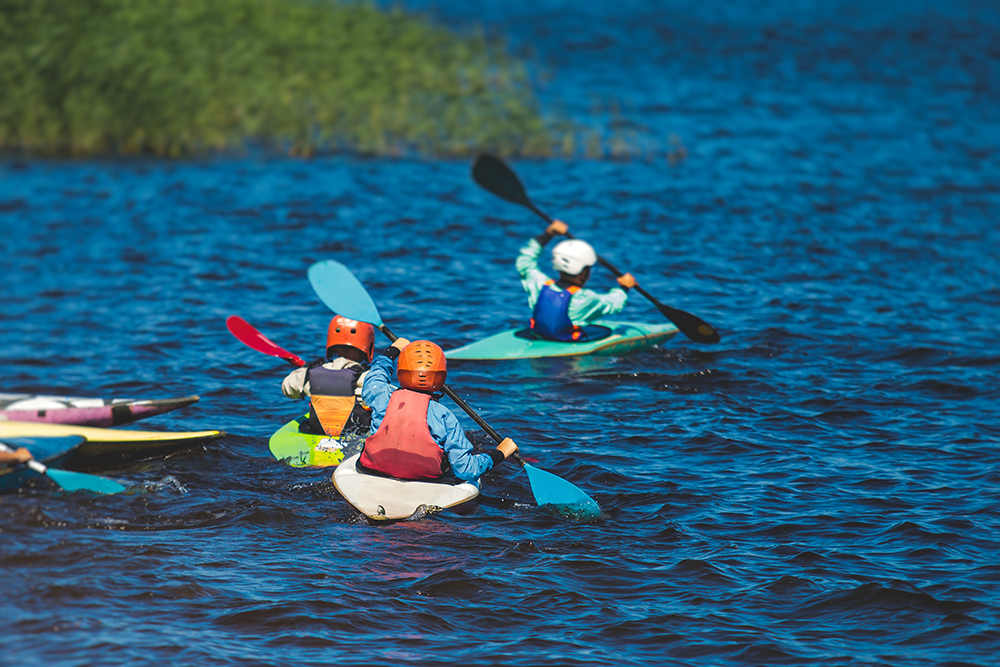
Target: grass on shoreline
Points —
{"points": [[181, 77]]}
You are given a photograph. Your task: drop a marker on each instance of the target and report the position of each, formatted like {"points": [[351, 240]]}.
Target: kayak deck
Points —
{"points": [[105, 448], [518, 343], [390, 499], [308, 450], [97, 412]]}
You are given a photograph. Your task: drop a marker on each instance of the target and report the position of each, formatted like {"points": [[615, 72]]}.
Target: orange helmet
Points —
{"points": [[359, 335], [422, 367]]}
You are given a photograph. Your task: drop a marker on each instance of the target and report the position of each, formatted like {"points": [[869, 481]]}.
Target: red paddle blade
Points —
{"points": [[244, 332]]}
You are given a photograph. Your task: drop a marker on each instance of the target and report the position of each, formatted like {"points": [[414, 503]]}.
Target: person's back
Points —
{"points": [[562, 309], [333, 385], [412, 436]]}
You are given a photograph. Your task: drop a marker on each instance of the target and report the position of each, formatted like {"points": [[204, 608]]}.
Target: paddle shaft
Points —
{"points": [[461, 403]]}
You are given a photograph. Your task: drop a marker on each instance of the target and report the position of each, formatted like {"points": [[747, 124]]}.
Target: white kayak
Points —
{"points": [[387, 498]]}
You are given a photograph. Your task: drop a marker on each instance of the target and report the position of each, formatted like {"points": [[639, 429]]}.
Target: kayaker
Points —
{"points": [[564, 309], [412, 435], [19, 455], [333, 384]]}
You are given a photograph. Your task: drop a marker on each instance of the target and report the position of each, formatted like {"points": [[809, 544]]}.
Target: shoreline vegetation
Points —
{"points": [[177, 78]]}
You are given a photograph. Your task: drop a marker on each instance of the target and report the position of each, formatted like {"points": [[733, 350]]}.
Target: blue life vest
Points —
{"points": [[551, 317]]}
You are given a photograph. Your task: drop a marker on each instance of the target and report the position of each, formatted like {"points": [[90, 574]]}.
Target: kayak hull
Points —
{"points": [[518, 344], [108, 448], [390, 499], [97, 412], [307, 450]]}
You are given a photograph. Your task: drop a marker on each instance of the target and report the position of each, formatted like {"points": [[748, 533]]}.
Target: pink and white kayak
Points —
{"points": [[101, 412]]}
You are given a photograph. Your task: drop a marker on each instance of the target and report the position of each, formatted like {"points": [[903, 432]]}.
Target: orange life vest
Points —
{"points": [[333, 402], [403, 447]]}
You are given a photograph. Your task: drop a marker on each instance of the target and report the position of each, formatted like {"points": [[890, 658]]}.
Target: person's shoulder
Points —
{"points": [[443, 411], [340, 363]]}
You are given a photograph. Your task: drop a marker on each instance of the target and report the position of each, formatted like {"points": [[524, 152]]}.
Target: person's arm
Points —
{"points": [[467, 465], [587, 305], [377, 387], [359, 388], [533, 279], [19, 455], [555, 228], [294, 384]]}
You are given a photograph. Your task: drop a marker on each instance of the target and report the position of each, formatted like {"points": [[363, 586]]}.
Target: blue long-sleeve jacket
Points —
{"points": [[442, 423]]}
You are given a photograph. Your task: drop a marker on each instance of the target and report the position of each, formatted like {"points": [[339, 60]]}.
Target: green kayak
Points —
{"points": [[307, 450], [518, 343]]}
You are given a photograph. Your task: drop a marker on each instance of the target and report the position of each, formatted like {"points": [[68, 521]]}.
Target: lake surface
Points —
{"points": [[819, 488]]}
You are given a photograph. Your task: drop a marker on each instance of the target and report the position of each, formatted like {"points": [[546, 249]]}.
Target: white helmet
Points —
{"points": [[572, 256]]}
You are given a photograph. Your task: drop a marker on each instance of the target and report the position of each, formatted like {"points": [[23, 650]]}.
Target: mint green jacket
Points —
{"points": [[585, 307]]}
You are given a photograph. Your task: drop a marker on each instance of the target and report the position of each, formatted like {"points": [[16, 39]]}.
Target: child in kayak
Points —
{"points": [[333, 384], [563, 309], [413, 436]]}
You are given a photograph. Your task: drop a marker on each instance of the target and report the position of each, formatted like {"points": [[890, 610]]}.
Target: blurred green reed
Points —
{"points": [[179, 77]]}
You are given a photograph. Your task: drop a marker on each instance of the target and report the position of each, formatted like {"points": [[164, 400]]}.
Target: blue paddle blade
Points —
{"points": [[78, 481], [342, 293], [559, 495]]}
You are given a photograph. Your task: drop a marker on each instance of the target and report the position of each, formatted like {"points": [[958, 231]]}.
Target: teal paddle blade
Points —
{"points": [[342, 293], [555, 493], [78, 481]]}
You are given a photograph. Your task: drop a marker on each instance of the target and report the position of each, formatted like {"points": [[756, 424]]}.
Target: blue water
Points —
{"points": [[819, 488]]}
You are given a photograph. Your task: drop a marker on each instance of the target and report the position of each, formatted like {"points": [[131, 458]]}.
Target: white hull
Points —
{"points": [[386, 499]]}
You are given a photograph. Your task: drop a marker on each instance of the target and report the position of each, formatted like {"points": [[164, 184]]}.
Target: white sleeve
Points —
{"points": [[293, 386]]}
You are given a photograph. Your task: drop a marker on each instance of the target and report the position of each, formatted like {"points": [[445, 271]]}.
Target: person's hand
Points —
{"points": [[400, 343], [22, 455], [627, 281], [557, 227], [507, 447]]}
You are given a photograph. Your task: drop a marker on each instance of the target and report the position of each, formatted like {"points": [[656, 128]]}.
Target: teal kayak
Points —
{"points": [[518, 343], [308, 450]]}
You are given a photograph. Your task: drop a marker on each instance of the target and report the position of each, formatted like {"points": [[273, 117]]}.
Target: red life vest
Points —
{"points": [[403, 447]]}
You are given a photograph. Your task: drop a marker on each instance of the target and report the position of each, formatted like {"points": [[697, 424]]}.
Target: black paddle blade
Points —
{"points": [[494, 176], [693, 327]]}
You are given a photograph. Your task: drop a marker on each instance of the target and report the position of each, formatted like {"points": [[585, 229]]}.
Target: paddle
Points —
{"points": [[494, 176], [342, 293], [249, 336], [73, 481]]}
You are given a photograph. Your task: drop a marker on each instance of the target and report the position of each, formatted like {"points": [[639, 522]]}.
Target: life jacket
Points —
{"points": [[550, 320], [333, 405], [402, 446]]}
